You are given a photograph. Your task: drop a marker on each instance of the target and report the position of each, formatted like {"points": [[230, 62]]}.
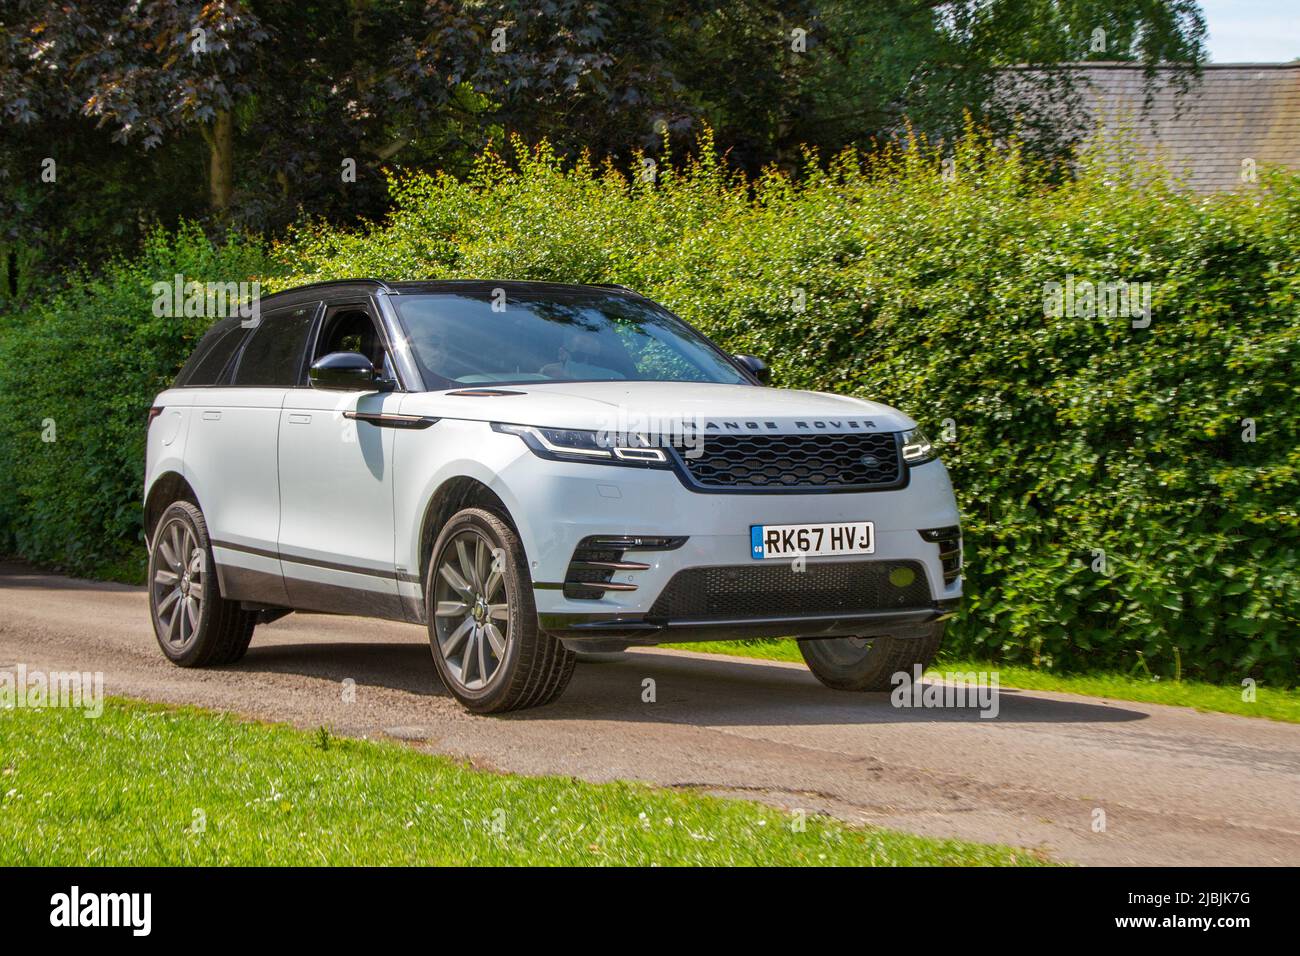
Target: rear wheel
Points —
{"points": [[483, 629], [869, 663], [194, 624]]}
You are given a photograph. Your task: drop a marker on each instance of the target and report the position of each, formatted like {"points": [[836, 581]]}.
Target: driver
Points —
{"points": [[579, 358], [431, 346]]}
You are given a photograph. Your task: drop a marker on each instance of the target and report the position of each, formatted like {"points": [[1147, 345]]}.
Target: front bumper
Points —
{"points": [[556, 505]]}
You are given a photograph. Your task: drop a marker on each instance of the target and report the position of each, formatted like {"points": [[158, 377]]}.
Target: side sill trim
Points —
{"points": [[310, 562]]}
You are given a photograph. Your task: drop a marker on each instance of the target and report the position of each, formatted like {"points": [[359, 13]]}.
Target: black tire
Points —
{"points": [[868, 664], [219, 632], [531, 668]]}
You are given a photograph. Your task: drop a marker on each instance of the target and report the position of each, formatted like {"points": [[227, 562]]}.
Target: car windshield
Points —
{"points": [[586, 335]]}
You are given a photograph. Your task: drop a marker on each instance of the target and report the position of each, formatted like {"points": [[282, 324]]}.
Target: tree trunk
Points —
{"points": [[221, 162]]}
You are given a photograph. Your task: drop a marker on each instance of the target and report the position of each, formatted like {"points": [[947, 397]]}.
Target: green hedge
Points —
{"points": [[82, 368], [898, 280]]}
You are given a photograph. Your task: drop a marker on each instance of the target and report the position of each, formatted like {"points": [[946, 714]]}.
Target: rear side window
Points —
{"points": [[272, 357], [211, 357]]}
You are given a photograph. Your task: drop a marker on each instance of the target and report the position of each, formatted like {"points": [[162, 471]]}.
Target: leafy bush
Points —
{"points": [[78, 371], [1080, 443], [1114, 515]]}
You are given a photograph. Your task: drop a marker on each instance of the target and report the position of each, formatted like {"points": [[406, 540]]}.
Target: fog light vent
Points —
{"points": [[949, 542], [598, 558]]}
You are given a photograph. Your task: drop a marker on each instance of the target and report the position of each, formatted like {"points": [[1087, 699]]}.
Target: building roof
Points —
{"points": [[1235, 117]]}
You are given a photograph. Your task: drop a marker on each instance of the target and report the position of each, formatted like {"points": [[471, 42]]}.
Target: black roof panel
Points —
{"points": [[447, 285]]}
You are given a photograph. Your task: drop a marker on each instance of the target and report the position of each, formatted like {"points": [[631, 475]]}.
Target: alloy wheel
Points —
{"points": [[471, 610], [178, 583]]}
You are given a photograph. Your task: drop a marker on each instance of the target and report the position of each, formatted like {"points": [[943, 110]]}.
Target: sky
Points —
{"points": [[1252, 31]]}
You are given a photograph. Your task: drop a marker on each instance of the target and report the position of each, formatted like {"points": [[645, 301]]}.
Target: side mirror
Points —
{"points": [[756, 367], [348, 371]]}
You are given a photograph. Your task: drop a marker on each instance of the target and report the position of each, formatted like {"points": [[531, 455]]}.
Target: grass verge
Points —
{"points": [[148, 785], [1270, 702]]}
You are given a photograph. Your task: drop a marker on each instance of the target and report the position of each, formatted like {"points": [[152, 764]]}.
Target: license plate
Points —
{"points": [[811, 540]]}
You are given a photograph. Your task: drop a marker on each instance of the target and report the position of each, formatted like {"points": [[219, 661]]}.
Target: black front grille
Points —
{"points": [[797, 462], [777, 590]]}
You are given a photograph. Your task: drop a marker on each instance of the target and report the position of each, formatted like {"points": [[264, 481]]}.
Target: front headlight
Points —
{"points": [[573, 444], [917, 448]]}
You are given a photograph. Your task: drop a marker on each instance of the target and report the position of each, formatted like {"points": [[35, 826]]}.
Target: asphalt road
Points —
{"points": [[1176, 787]]}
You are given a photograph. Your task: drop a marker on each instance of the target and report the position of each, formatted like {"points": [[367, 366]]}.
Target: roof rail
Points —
{"points": [[389, 288], [327, 282]]}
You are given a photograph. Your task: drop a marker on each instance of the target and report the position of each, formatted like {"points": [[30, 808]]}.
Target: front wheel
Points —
{"points": [[483, 629], [869, 663]]}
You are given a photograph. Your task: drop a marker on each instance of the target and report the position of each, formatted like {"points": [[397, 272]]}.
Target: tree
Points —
{"points": [[258, 112], [144, 70]]}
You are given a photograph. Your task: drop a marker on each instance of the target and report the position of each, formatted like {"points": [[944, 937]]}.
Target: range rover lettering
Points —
{"points": [[527, 470]]}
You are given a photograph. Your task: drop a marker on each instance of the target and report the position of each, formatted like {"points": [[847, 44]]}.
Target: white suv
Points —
{"points": [[528, 470]]}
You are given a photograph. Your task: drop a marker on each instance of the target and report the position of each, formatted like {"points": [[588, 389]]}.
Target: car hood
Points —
{"points": [[636, 406]]}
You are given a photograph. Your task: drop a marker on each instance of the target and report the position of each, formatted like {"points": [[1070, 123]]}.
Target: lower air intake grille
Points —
{"points": [[579, 577], [598, 558], [949, 542], [777, 590]]}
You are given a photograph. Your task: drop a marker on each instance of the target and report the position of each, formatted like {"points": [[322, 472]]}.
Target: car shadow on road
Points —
{"points": [[404, 667], [731, 692], [691, 690]]}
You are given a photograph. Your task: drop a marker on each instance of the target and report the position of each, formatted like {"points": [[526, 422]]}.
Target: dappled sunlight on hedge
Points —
{"points": [[903, 278]]}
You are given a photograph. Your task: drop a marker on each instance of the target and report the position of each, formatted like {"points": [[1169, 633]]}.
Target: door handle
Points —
{"points": [[295, 419], [212, 416]]}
